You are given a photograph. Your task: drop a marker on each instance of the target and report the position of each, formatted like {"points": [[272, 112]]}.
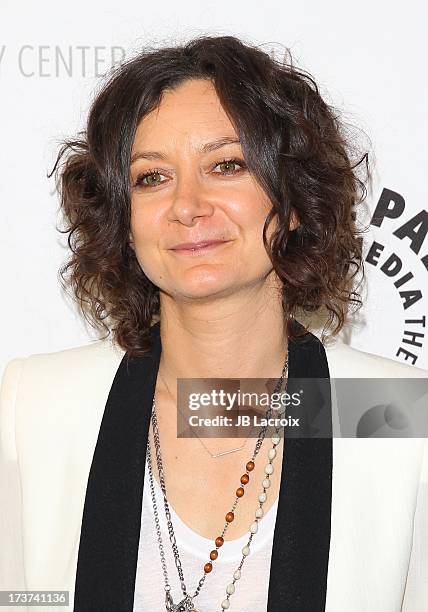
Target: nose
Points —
{"points": [[191, 202]]}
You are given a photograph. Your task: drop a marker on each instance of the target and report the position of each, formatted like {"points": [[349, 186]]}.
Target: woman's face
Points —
{"points": [[190, 186]]}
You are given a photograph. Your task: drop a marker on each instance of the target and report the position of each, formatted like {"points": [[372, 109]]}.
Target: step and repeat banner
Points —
{"points": [[369, 61]]}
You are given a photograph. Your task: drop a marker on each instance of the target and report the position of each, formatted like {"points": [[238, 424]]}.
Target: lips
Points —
{"points": [[193, 246]]}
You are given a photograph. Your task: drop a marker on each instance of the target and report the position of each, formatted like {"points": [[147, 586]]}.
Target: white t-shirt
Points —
{"points": [[251, 590]]}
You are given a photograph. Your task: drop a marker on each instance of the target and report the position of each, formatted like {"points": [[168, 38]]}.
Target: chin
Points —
{"points": [[202, 286], [203, 291]]}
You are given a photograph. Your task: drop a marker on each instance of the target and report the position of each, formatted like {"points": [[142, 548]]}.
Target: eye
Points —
{"points": [[151, 182], [228, 163]]}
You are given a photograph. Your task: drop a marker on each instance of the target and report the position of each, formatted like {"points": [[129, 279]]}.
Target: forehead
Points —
{"points": [[192, 110]]}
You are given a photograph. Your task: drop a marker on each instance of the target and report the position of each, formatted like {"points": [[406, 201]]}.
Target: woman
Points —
{"points": [[211, 198]]}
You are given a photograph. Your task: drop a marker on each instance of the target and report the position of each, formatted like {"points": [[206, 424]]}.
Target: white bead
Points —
{"points": [[262, 497], [230, 589], [275, 439], [269, 468], [259, 512], [272, 453], [266, 483], [237, 574], [225, 604], [254, 527], [246, 551]]}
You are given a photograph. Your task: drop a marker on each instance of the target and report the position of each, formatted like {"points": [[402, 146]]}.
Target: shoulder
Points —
{"points": [[69, 361], [44, 370], [345, 361], [74, 382]]}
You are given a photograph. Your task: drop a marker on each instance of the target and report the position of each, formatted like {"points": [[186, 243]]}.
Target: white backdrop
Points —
{"points": [[369, 58]]}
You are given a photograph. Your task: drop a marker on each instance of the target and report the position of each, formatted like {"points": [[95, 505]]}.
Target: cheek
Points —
{"points": [[148, 257], [144, 228], [251, 208], [144, 245], [251, 219]]}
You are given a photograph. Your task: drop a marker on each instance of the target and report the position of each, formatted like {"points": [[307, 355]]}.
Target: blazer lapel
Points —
{"points": [[301, 544], [110, 531], [108, 550]]}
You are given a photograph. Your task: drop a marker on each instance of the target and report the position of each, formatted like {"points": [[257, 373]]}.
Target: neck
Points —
{"points": [[229, 339]]}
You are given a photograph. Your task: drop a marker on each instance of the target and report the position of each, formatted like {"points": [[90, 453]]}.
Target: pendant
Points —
{"points": [[186, 605]]}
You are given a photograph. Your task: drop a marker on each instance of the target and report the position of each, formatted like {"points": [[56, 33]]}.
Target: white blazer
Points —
{"points": [[51, 409]]}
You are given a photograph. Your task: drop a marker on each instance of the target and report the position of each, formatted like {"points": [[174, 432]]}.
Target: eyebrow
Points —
{"points": [[206, 148]]}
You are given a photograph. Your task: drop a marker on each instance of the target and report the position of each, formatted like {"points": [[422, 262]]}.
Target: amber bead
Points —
{"points": [[245, 478], [208, 567], [229, 517], [240, 492], [219, 541], [213, 555], [250, 466]]}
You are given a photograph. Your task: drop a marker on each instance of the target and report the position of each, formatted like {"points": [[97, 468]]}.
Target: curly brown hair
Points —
{"points": [[294, 144]]}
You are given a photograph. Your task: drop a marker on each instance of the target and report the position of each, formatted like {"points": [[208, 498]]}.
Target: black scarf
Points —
{"points": [[110, 532]]}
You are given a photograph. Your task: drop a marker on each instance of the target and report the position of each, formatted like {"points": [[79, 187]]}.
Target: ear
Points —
{"points": [[131, 241], [294, 221]]}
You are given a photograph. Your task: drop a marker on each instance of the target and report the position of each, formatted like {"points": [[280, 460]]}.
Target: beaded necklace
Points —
{"points": [[186, 604]]}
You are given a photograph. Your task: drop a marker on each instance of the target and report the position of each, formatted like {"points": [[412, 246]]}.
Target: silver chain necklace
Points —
{"points": [[186, 604]]}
